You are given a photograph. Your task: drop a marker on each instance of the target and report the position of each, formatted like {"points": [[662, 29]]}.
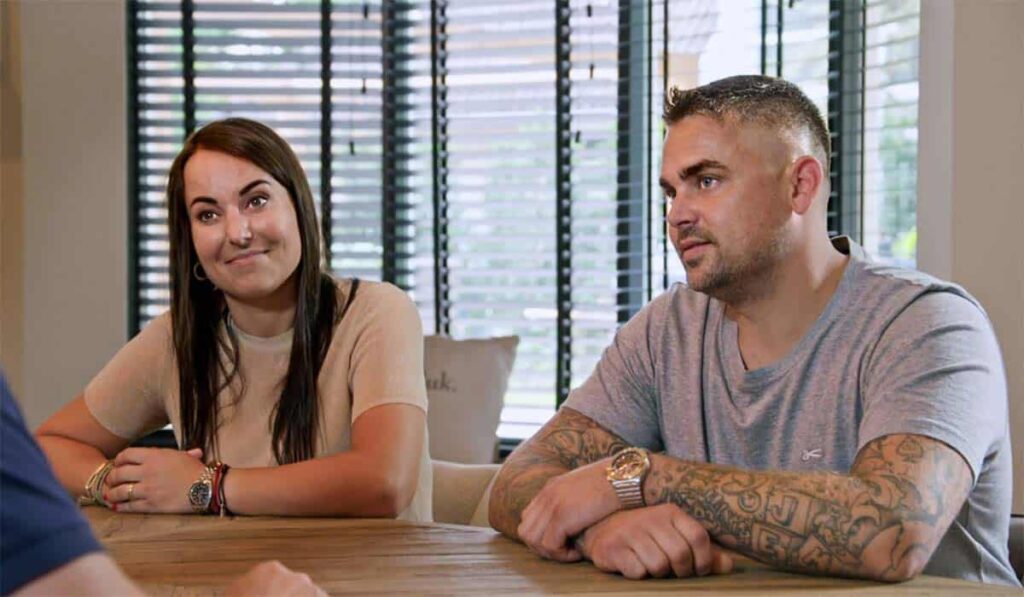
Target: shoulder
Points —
{"points": [[679, 300], [372, 297], [154, 340], [926, 330], [683, 300], [161, 325], [941, 327], [902, 281], [679, 307], [382, 291], [905, 295], [375, 305]]}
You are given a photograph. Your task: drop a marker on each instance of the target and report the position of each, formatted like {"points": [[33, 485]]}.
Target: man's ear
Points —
{"points": [[806, 179]]}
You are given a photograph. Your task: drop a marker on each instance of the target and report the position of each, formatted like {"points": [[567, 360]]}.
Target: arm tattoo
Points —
{"points": [[570, 440], [883, 520]]}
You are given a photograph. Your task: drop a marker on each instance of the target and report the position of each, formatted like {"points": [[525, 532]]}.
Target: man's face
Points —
{"points": [[728, 207]]}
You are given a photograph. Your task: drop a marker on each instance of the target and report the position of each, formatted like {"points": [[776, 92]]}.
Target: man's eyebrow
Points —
{"points": [[699, 167]]}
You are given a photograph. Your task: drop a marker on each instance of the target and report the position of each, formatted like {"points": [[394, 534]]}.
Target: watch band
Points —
{"points": [[630, 493], [626, 475]]}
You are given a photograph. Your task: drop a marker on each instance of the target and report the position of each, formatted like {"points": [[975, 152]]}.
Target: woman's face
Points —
{"points": [[244, 227]]}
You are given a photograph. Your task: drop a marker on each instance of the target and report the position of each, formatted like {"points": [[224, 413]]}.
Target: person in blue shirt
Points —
{"points": [[47, 546]]}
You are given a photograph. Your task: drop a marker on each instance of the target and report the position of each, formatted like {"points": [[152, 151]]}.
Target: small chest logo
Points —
{"points": [[811, 454]]}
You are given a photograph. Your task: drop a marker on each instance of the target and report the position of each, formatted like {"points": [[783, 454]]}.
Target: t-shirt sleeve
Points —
{"points": [[937, 372], [620, 394], [126, 396], [387, 356], [42, 529]]}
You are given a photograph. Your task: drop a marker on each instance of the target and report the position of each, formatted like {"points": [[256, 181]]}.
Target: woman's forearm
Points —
{"points": [[76, 444], [346, 484], [71, 460], [378, 476]]}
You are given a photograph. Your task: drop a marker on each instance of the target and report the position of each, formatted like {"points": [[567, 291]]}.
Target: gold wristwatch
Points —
{"points": [[200, 493], [626, 474]]}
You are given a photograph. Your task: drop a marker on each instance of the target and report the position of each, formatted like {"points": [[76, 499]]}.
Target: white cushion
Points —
{"points": [[466, 382], [461, 492]]}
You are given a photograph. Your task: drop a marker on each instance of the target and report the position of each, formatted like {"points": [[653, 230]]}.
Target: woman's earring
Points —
{"points": [[196, 274]]}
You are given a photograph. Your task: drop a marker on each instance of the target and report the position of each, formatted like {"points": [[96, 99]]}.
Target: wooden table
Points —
{"points": [[200, 555]]}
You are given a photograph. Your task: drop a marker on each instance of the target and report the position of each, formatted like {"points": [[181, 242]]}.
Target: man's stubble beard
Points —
{"points": [[744, 279]]}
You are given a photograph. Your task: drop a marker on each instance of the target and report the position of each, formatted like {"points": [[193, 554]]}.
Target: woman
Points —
{"points": [[309, 389]]}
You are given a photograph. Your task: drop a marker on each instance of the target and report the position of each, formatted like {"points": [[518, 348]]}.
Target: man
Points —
{"points": [[48, 547], [793, 402]]}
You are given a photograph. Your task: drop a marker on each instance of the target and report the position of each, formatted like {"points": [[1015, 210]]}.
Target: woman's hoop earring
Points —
{"points": [[196, 274]]}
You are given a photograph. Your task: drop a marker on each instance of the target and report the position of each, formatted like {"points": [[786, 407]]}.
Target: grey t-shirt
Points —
{"points": [[895, 351]]}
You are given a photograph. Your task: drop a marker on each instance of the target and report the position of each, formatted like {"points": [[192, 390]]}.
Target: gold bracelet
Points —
{"points": [[97, 481], [86, 499], [93, 493]]}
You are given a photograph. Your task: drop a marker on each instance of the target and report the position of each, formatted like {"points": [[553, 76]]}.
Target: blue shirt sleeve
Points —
{"points": [[41, 528]]}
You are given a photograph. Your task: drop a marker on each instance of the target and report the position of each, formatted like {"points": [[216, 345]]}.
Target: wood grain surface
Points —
{"points": [[199, 555]]}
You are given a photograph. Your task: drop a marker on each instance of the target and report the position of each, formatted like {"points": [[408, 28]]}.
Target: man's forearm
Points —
{"points": [[873, 523], [516, 485], [569, 441]]}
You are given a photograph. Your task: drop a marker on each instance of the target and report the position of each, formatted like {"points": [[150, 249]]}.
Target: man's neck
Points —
{"points": [[770, 325]]}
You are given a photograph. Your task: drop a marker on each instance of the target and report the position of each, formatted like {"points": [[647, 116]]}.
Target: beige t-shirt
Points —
{"points": [[375, 358]]}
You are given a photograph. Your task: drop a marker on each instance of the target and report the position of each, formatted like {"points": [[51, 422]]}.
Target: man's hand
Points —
{"points": [[654, 541], [273, 578], [568, 441], [566, 506]]}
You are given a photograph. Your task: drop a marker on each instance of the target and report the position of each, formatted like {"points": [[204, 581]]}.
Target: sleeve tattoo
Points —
{"points": [[570, 440], [883, 520]]}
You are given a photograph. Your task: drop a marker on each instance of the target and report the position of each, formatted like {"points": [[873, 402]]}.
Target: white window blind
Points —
{"points": [[198, 61], [497, 160], [502, 190], [890, 79]]}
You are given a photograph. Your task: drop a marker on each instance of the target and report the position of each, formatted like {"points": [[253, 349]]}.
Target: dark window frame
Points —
{"points": [[637, 249]]}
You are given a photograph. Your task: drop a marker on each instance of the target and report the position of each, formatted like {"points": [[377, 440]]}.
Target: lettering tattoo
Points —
{"points": [[883, 520], [568, 441]]}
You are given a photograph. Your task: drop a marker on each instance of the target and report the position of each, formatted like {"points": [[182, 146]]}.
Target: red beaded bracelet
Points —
{"points": [[218, 473]]}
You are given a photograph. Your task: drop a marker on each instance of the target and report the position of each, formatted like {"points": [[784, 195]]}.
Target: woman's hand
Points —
{"points": [[153, 480]]}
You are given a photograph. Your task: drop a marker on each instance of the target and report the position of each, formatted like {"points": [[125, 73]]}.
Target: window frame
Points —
{"points": [[636, 131]]}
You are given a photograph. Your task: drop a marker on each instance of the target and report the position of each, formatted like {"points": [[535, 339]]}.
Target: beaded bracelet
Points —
{"points": [[219, 505]]}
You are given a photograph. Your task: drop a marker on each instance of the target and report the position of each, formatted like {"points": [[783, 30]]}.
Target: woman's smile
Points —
{"points": [[247, 257]]}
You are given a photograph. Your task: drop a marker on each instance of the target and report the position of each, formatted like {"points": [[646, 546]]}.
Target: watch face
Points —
{"points": [[632, 467], [200, 494], [629, 464]]}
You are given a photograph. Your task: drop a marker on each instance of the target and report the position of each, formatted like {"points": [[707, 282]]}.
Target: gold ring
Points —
{"points": [[131, 491]]}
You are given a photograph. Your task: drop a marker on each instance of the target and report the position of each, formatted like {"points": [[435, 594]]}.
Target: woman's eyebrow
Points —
{"points": [[252, 184]]}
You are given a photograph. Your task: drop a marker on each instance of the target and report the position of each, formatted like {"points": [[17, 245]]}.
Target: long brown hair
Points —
{"points": [[198, 308]]}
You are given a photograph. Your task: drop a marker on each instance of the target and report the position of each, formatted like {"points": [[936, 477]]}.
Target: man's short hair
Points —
{"points": [[768, 101]]}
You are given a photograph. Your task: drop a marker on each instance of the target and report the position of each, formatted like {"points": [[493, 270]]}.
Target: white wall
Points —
{"points": [[68, 268], [971, 173], [11, 195], [74, 204]]}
